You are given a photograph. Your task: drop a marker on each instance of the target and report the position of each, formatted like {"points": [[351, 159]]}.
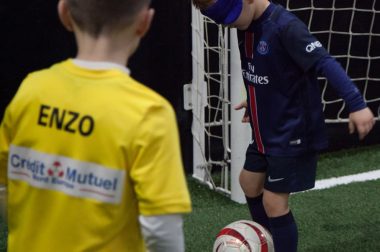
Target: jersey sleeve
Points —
{"points": [[301, 45], [329, 68], [157, 171], [163, 232], [4, 147]]}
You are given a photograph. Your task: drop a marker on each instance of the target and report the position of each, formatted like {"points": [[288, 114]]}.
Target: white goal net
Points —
{"points": [[350, 31]]}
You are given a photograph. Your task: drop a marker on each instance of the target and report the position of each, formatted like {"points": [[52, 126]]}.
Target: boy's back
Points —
{"points": [[86, 160]]}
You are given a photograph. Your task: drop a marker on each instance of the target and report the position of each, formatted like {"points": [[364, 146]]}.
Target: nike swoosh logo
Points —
{"points": [[274, 180]]}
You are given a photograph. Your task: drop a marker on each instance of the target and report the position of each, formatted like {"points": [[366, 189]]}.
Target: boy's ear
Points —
{"points": [[144, 22], [64, 15]]}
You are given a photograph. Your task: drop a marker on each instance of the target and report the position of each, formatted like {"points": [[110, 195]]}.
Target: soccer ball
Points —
{"points": [[243, 236]]}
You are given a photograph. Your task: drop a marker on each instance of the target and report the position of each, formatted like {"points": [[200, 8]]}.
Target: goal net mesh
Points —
{"points": [[350, 31]]}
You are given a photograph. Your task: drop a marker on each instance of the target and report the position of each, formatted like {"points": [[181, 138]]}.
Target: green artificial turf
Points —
{"points": [[344, 218], [347, 162]]}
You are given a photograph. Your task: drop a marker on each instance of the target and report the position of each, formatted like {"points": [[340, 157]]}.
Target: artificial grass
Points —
{"points": [[347, 162], [3, 236], [344, 218]]}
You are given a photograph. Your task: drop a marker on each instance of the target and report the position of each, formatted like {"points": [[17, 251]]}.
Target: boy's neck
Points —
{"points": [[259, 8], [104, 48]]}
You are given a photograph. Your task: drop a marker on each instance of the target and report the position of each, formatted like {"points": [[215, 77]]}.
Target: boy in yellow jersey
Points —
{"points": [[90, 157]]}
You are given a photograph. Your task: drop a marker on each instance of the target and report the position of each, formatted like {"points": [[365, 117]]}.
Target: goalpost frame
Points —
{"points": [[236, 135], [240, 132], [193, 101]]}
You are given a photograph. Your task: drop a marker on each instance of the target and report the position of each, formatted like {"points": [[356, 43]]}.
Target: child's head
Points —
{"points": [[234, 13], [99, 17], [106, 30]]}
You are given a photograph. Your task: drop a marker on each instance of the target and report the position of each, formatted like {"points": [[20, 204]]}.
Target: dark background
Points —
{"points": [[32, 38]]}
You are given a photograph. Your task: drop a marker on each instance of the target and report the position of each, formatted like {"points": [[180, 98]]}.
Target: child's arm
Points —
{"points": [[5, 140], [163, 232], [159, 180], [361, 117], [3, 188]]}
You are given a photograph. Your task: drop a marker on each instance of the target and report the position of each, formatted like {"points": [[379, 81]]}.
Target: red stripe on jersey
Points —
{"points": [[235, 234], [249, 45], [263, 241], [255, 119]]}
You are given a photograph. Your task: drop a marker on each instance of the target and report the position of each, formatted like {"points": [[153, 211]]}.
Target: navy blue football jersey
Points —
{"points": [[278, 55]]}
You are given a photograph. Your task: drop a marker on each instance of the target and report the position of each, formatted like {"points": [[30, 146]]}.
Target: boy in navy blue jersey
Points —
{"points": [[280, 64]]}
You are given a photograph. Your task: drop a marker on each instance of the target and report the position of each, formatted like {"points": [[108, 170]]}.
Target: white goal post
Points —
{"points": [[350, 31]]}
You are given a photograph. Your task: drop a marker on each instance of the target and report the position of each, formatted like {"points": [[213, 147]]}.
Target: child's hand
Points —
{"points": [[243, 104], [362, 121]]}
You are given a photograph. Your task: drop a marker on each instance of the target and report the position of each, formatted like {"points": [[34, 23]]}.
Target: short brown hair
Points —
{"points": [[203, 4], [104, 16]]}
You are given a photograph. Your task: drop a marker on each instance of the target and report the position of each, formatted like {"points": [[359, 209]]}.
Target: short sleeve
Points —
{"points": [[301, 45], [157, 171]]}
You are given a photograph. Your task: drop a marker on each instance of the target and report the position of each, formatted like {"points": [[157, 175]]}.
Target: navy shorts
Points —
{"points": [[283, 174]]}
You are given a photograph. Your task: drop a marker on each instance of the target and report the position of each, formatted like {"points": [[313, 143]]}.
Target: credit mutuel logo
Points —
{"points": [[58, 173], [254, 78]]}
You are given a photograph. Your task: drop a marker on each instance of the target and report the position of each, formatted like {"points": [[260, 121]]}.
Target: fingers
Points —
{"points": [[364, 129], [362, 132], [351, 127], [243, 104], [245, 119], [362, 120], [238, 107]]}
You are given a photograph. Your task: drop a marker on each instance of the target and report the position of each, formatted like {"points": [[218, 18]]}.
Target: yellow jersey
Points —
{"points": [[83, 153]]}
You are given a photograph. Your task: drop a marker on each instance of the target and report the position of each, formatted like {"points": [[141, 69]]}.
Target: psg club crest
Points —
{"points": [[263, 47]]}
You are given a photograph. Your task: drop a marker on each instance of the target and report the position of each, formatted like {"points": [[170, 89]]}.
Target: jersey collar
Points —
{"points": [[100, 65], [266, 14]]}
